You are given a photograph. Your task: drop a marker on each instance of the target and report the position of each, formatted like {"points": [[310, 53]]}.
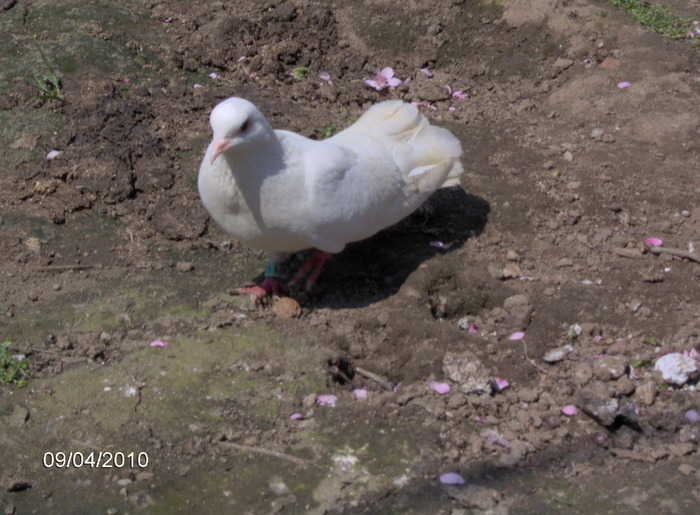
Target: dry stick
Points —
{"points": [[674, 252], [548, 372], [374, 377], [266, 452], [60, 268]]}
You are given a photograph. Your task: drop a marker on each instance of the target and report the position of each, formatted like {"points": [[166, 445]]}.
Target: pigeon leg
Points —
{"points": [[271, 285], [313, 268]]}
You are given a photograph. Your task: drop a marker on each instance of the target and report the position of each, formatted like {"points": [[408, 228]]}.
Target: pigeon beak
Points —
{"points": [[218, 146]]}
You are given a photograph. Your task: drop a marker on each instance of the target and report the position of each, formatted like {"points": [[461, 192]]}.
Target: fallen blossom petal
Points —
{"points": [[18, 357], [326, 400], [449, 88], [167, 20], [197, 86], [441, 388], [437, 244], [452, 108], [360, 393], [459, 95], [53, 154], [214, 75], [623, 85], [499, 384], [407, 80], [252, 76], [393, 82], [481, 420], [241, 58], [158, 343], [517, 335], [569, 410], [451, 478], [472, 329], [387, 72], [426, 72], [296, 416], [692, 416], [374, 84], [324, 76], [654, 242]]}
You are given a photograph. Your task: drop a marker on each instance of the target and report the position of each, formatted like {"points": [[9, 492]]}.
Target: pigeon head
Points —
{"points": [[235, 122]]}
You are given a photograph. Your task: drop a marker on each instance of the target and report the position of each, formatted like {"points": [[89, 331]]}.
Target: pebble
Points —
{"points": [[583, 373], [286, 307], [510, 271], [184, 266], [608, 368], [676, 369], [558, 354], [646, 393], [467, 371], [595, 399]]}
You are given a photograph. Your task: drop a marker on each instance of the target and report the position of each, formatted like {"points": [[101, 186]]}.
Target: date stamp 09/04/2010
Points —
{"points": [[95, 459]]}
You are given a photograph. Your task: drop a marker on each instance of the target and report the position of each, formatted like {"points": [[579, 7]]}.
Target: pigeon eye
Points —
{"points": [[245, 126]]}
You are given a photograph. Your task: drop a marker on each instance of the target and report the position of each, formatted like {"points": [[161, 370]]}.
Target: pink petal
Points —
{"points": [[499, 384], [197, 86], [517, 335], [158, 343], [692, 416], [326, 400], [296, 416], [654, 242], [437, 244], [387, 73], [360, 393], [449, 89], [394, 82], [241, 58], [452, 478], [452, 108], [569, 410], [472, 329], [441, 388], [214, 75], [427, 72], [53, 154], [374, 84], [623, 85]]}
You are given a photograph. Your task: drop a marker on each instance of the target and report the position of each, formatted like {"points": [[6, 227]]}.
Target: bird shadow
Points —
{"points": [[373, 269]]}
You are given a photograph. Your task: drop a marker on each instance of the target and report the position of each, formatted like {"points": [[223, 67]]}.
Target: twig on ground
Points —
{"points": [[60, 268], [674, 252], [377, 378], [265, 452]]}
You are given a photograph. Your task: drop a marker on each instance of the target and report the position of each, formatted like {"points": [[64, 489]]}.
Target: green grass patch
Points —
{"points": [[656, 17]]}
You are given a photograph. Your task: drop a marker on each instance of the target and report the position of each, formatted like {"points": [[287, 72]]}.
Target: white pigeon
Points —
{"points": [[281, 192]]}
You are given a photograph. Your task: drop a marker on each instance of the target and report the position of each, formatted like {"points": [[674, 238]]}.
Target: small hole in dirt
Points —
{"points": [[341, 369]]}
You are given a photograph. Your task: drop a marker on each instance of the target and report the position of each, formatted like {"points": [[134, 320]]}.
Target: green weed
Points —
{"points": [[656, 17], [49, 83], [12, 370]]}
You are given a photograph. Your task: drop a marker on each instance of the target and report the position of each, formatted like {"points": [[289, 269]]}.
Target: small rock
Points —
{"points": [[563, 63], [687, 470], [286, 307], [184, 266], [646, 393], [628, 253], [474, 496], [583, 373], [624, 386], [467, 371], [511, 255], [676, 369], [558, 354], [607, 368], [563, 262], [510, 271], [596, 401], [568, 156]]}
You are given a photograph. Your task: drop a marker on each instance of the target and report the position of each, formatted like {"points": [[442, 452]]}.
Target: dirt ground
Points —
{"points": [[106, 248]]}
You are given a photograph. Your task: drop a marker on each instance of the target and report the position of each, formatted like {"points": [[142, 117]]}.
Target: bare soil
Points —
{"points": [[107, 248]]}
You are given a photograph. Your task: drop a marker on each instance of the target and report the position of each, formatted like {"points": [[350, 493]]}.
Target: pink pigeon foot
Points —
{"points": [[269, 286], [314, 266]]}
